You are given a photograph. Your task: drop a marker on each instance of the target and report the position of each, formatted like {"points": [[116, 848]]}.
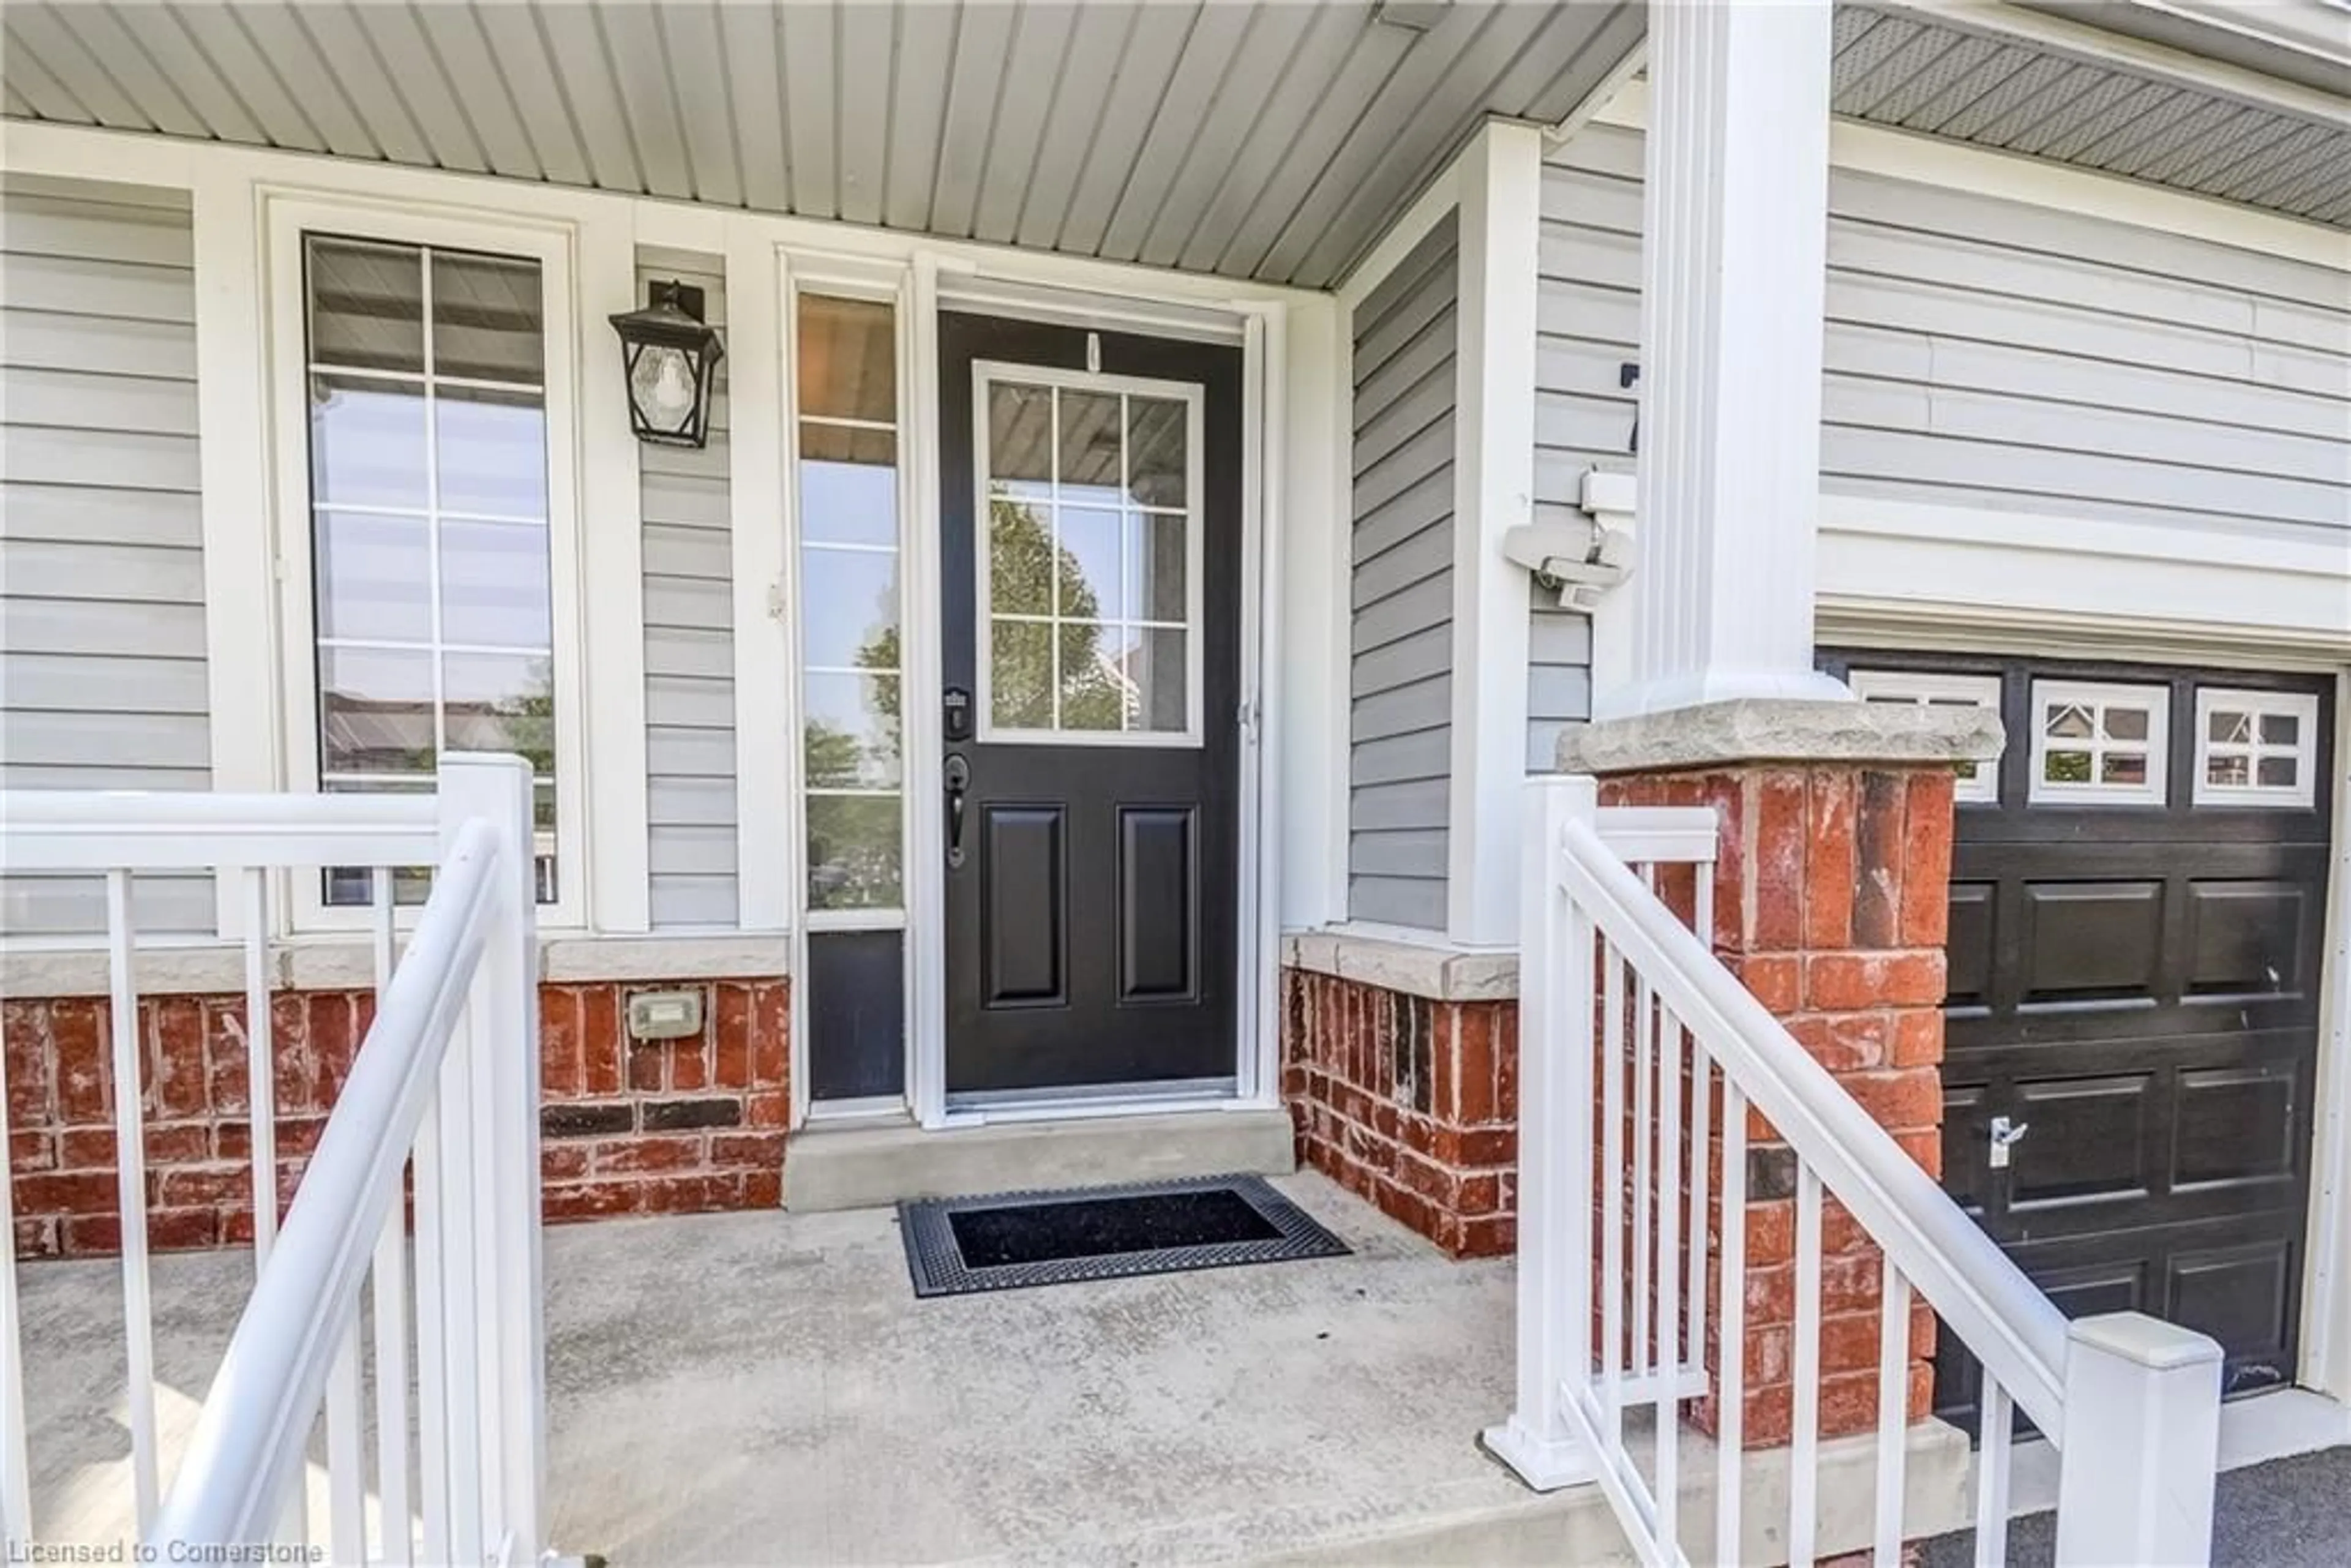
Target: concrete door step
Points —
{"points": [[870, 1166]]}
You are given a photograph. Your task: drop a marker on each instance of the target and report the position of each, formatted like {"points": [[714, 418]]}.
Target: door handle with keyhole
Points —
{"points": [[2004, 1135], [959, 780]]}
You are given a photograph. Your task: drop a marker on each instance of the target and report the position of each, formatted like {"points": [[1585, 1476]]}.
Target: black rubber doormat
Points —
{"points": [[1009, 1240]]}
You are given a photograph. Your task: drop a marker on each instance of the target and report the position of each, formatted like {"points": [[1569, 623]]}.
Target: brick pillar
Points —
{"points": [[1832, 900]]}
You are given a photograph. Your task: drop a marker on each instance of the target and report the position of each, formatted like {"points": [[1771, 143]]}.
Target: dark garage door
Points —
{"points": [[2137, 912]]}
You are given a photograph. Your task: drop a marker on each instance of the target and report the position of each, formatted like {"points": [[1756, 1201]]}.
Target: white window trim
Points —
{"points": [[2100, 695], [2303, 706], [1925, 688], [288, 536], [985, 373]]}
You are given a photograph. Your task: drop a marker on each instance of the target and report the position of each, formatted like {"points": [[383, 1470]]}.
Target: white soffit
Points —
{"points": [[1267, 141], [1966, 77]]}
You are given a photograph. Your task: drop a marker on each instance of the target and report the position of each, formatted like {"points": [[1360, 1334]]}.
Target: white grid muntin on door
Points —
{"points": [[1031, 624]]}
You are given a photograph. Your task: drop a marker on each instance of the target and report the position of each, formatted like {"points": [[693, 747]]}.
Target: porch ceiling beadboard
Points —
{"points": [[1266, 140], [2038, 98]]}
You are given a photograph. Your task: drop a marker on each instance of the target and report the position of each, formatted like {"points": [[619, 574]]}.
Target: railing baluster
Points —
{"points": [[459, 1303], [1644, 1130], [431, 1373], [1991, 1473], [389, 1282], [130, 1184], [346, 1456], [16, 1468], [1804, 1478], [1612, 1193], [1701, 1110], [1667, 1362], [1701, 1182], [260, 1065], [1893, 1409], [1730, 1329]]}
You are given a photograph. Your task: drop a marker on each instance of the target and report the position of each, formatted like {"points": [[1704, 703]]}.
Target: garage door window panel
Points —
{"points": [[1978, 782], [2094, 744], [2255, 748]]}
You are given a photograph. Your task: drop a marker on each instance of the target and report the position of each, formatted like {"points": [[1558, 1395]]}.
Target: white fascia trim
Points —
{"points": [[345, 963], [2013, 177], [1498, 181], [1893, 558], [2062, 34]]}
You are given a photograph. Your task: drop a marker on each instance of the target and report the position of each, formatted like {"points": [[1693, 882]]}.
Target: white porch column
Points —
{"points": [[1735, 211], [1499, 192]]}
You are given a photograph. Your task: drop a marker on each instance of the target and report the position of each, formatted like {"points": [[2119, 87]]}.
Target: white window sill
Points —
{"points": [[1434, 970], [326, 963]]}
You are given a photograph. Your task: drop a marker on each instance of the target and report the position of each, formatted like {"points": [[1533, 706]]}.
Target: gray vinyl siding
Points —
{"points": [[690, 848], [1400, 681], [1559, 675], [1983, 352], [102, 683]]}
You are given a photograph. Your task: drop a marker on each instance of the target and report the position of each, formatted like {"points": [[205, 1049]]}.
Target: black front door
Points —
{"points": [[2138, 896], [1091, 559]]}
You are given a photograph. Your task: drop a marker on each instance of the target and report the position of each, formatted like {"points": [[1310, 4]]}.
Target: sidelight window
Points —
{"points": [[2255, 748], [1090, 579], [429, 522], [851, 661], [2096, 743]]}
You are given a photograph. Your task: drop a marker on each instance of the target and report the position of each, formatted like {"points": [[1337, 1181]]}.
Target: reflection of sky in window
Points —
{"points": [[1091, 541], [848, 599], [367, 443], [849, 503]]}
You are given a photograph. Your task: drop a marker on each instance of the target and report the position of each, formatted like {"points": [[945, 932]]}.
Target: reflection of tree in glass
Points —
{"points": [[1095, 693], [853, 840], [528, 719]]}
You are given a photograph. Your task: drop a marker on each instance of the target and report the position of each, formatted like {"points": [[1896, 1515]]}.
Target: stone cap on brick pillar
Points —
{"points": [[1781, 730]]}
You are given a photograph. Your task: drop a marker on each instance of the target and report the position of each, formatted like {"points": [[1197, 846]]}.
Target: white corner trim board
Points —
{"points": [[1906, 155]]}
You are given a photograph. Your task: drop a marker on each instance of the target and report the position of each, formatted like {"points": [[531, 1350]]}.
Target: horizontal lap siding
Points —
{"points": [[689, 655], [1400, 684], [1983, 352], [102, 679]]}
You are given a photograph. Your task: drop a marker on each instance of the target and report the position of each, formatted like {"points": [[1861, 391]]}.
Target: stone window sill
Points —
{"points": [[1436, 972], [345, 964]]}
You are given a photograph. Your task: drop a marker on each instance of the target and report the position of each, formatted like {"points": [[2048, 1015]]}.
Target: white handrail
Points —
{"points": [[249, 1438], [104, 830], [2004, 1319]]}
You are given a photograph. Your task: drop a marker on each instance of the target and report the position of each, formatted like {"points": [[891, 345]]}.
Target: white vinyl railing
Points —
{"points": [[442, 1096], [1641, 1056]]}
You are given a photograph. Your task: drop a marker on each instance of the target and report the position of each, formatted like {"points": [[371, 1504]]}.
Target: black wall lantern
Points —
{"points": [[670, 357]]}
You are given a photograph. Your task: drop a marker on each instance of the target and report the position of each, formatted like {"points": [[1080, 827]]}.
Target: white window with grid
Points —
{"points": [[1089, 574], [2255, 748], [1978, 782], [2099, 744], [429, 521]]}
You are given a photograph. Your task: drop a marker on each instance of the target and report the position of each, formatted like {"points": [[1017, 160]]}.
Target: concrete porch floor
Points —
{"points": [[763, 1388]]}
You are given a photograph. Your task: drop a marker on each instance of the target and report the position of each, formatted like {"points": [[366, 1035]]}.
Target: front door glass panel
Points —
{"points": [[1089, 583]]}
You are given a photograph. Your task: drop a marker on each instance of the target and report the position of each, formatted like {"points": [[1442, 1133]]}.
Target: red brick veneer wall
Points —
{"points": [[1409, 1102], [1832, 906], [627, 1127]]}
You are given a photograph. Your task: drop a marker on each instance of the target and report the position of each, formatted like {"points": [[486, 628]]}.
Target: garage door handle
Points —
{"points": [[2005, 1134]]}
